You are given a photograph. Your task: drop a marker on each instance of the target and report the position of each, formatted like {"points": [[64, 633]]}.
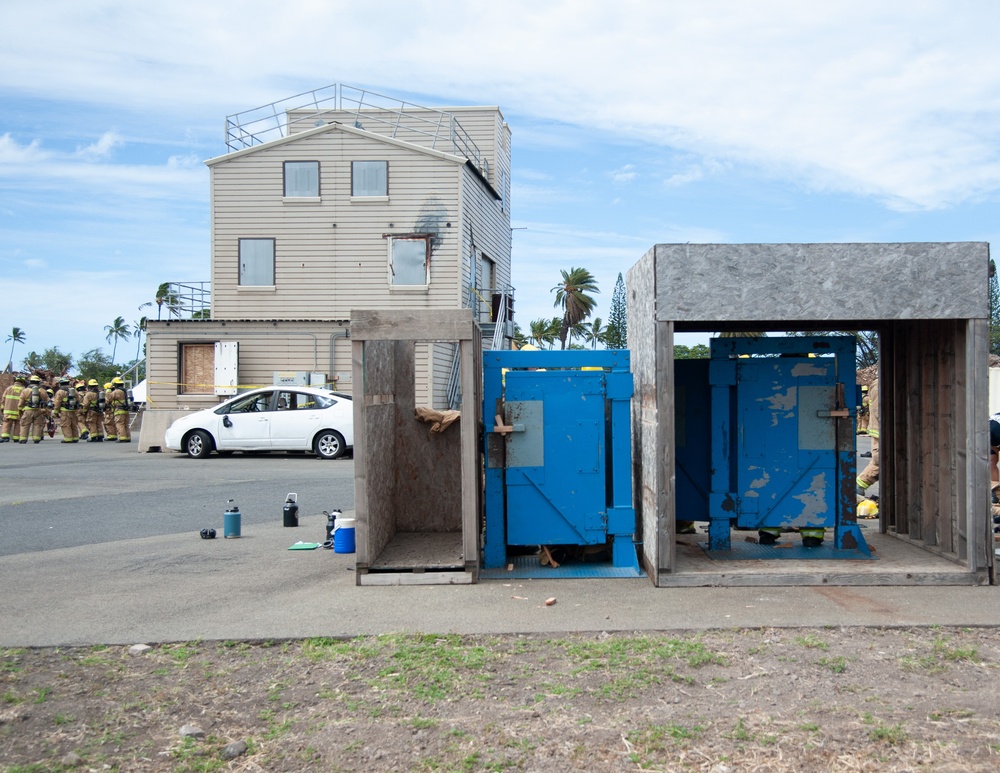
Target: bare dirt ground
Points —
{"points": [[761, 699]]}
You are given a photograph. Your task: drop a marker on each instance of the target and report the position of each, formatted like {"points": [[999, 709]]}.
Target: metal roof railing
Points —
{"points": [[430, 127]]}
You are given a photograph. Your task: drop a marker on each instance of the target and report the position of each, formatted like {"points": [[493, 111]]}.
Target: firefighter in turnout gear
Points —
{"points": [[12, 410], [869, 475], [118, 404], [33, 402], [110, 433], [82, 413], [66, 405], [864, 411], [93, 405], [50, 423]]}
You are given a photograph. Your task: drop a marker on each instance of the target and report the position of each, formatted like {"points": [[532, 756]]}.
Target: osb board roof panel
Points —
{"points": [[864, 281]]}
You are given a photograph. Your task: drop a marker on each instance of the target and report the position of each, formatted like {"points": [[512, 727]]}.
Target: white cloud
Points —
{"points": [[11, 153], [692, 174], [623, 175], [103, 148], [896, 99]]}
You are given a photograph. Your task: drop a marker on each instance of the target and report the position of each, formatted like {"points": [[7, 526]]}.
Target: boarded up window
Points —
{"points": [[197, 369], [409, 260]]}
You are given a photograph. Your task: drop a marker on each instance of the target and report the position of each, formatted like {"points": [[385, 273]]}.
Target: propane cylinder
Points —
{"points": [[290, 512], [231, 521]]}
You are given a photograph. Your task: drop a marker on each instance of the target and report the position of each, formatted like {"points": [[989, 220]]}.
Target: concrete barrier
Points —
{"points": [[154, 427]]}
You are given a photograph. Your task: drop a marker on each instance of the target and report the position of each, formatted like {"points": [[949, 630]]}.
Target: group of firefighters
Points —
{"points": [[82, 409]]}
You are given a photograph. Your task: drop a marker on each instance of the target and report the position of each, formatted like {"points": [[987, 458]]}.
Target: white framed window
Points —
{"points": [[369, 178], [301, 179], [409, 260], [257, 262]]}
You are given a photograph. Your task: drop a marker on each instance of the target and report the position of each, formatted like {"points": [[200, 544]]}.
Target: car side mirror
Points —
{"points": [[226, 422]]}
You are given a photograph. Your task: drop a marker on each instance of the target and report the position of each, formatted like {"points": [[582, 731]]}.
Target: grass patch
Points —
{"points": [[893, 735], [838, 665], [429, 667], [811, 641], [648, 745], [941, 655]]}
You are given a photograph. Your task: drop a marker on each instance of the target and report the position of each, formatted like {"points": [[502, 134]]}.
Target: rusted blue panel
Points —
{"points": [[781, 437]]}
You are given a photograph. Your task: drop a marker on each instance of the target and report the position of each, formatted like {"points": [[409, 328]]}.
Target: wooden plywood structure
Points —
{"points": [[929, 304], [417, 493]]}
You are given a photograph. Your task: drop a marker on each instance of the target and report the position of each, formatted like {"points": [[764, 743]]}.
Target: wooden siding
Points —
{"points": [[265, 347], [934, 476], [485, 231], [484, 125], [331, 255]]}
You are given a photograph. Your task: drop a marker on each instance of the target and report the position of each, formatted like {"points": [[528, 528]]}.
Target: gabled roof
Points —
{"points": [[344, 128]]}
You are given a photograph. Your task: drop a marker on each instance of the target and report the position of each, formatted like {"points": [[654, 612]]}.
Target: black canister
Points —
{"points": [[290, 512]]}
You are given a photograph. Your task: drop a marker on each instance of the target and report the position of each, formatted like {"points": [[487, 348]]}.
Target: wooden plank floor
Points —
{"points": [[899, 563], [422, 550]]}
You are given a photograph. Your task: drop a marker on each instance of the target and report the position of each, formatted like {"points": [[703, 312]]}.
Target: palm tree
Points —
{"points": [[571, 295], [595, 332], [580, 330], [117, 330], [544, 332], [16, 337], [165, 297], [538, 329], [33, 361], [138, 328]]}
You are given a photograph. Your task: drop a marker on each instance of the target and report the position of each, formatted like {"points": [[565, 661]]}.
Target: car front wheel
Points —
{"points": [[329, 444], [198, 445]]}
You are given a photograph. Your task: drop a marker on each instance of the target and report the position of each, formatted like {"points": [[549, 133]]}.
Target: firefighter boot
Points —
{"points": [[812, 538]]}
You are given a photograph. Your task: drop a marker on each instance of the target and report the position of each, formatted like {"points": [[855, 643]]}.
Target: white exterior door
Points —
{"points": [[227, 355]]}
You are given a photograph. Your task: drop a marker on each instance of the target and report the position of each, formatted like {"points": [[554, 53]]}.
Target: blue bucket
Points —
{"points": [[343, 536]]}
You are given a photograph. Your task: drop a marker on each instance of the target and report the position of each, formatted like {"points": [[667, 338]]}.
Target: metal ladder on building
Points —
{"points": [[454, 393]]}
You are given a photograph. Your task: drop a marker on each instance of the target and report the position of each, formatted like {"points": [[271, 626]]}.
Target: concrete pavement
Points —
{"points": [[178, 587]]}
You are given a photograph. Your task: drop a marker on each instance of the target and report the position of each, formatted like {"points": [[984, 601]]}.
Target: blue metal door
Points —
{"points": [[786, 469], [555, 458], [782, 437], [558, 453]]}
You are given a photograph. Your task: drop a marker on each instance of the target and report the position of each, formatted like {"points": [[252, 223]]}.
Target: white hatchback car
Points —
{"points": [[269, 419]]}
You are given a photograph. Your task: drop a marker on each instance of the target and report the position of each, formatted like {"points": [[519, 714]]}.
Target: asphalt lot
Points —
{"points": [[61, 495], [99, 545]]}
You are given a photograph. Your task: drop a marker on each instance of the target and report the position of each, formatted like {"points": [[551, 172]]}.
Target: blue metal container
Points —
{"points": [[231, 521]]}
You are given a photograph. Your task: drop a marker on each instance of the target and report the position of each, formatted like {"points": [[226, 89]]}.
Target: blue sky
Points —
{"points": [[634, 123]]}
